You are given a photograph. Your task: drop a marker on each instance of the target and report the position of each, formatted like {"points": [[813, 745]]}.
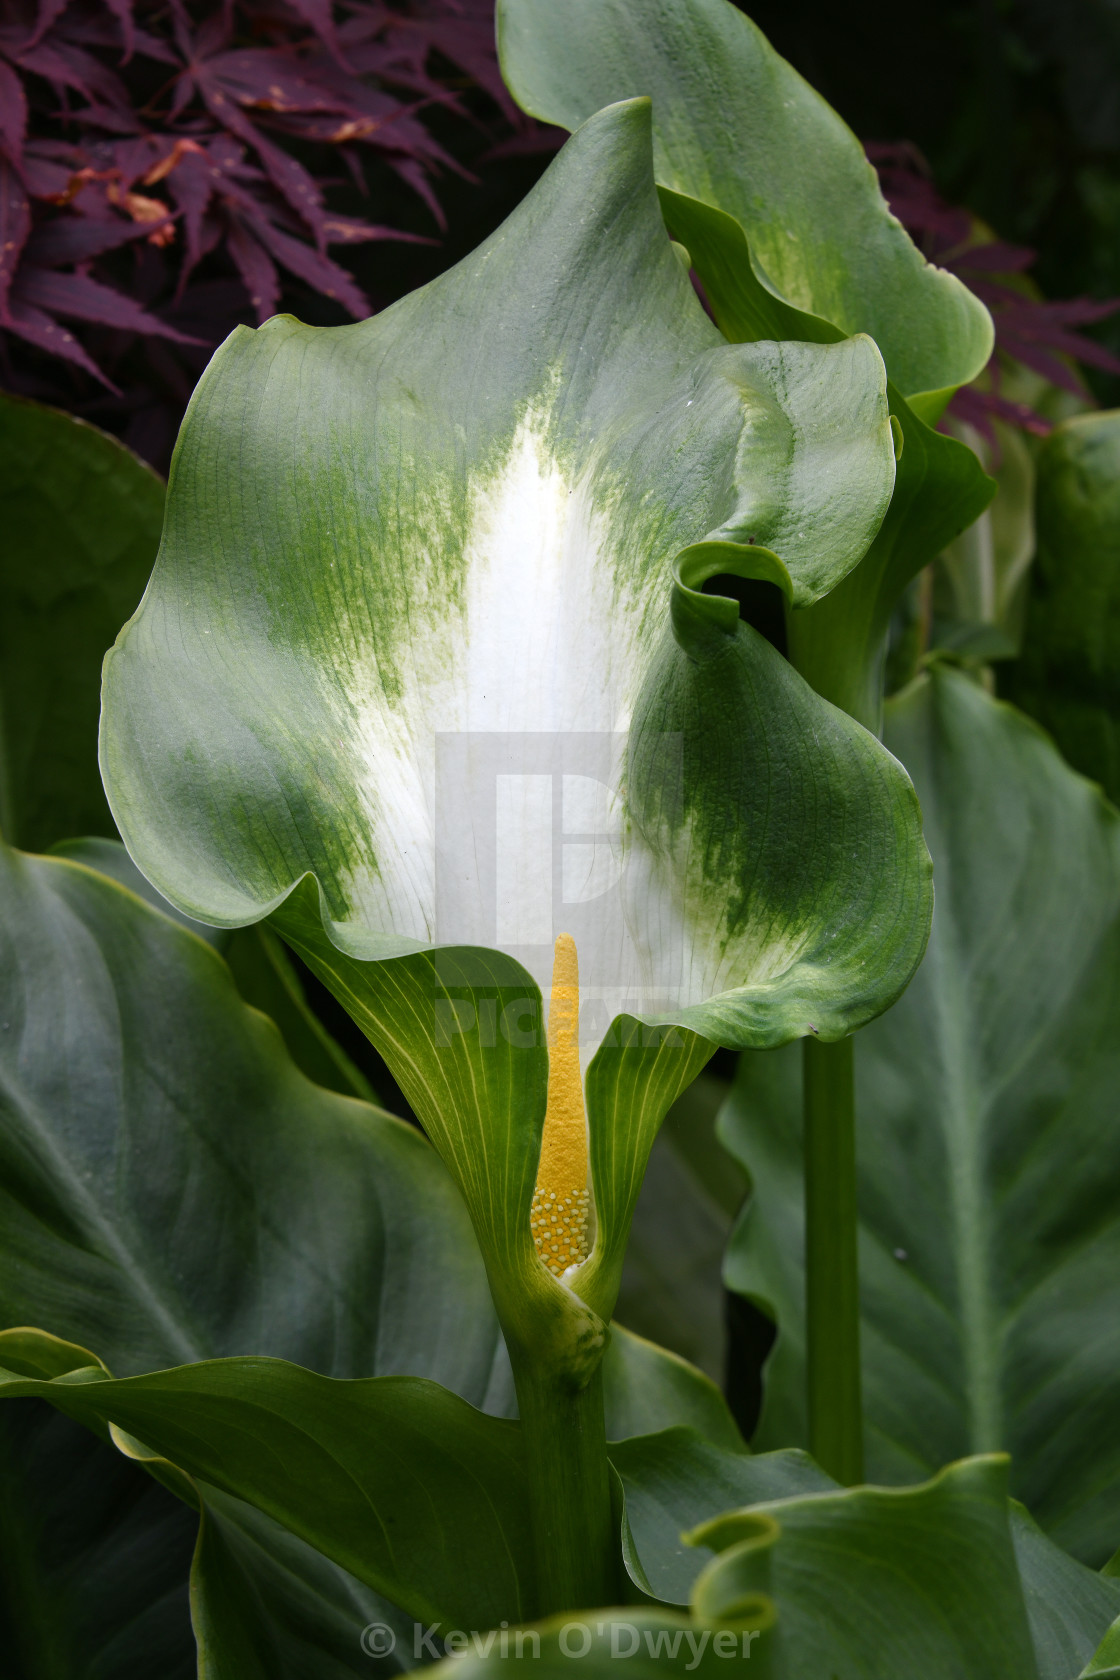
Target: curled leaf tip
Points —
{"points": [[561, 1213]]}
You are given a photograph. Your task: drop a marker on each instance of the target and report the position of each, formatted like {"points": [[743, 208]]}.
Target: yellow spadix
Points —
{"points": [[561, 1213]]}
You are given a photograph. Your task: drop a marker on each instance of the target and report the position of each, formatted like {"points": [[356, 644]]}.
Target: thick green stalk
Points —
{"points": [[847, 670], [832, 1261], [565, 1443]]}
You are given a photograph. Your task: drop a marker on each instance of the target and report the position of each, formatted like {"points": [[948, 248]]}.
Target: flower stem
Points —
{"points": [[838, 646], [565, 1446], [832, 1261]]}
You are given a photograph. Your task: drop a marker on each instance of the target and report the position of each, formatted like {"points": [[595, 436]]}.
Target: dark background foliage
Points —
{"points": [[1014, 103], [171, 167], [168, 169]]}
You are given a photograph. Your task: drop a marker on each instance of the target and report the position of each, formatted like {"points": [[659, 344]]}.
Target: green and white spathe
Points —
{"points": [[483, 516]]}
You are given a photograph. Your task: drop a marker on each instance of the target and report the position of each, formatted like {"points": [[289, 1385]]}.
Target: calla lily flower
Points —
{"points": [[426, 671]]}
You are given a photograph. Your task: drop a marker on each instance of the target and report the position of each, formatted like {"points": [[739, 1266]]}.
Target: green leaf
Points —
{"points": [[767, 187], [671, 1481], [268, 1607], [94, 1558], [647, 1389], [674, 1480], [1067, 676], [436, 1519], [308, 691], [172, 1189], [1105, 1663], [81, 518], [865, 1583], [263, 1602], [175, 1188], [261, 968], [877, 1581], [989, 1143], [1068, 1605], [315, 1228]]}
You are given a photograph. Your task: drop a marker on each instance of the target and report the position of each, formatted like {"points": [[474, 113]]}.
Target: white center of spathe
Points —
{"points": [[540, 644], [489, 785]]}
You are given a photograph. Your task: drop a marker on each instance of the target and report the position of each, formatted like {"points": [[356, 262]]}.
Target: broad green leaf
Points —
{"points": [[647, 1389], [558, 421], [1105, 1663], [870, 1582], [94, 1558], [741, 140], [1068, 1605], [862, 1583], [262, 1601], [671, 1481], [1067, 676], [81, 518], [312, 1226], [268, 1607], [436, 1518], [989, 1139], [674, 1480], [259, 963], [175, 1188], [315, 1228]]}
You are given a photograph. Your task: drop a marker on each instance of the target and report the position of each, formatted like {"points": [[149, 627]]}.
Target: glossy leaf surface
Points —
{"points": [[174, 1186], [741, 140], [989, 1145], [674, 1481], [261, 967], [267, 1606], [927, 1570], [671, 1480], [863, 1583], [1068, 1605], [166, 1205], [315, 1228], [297, 1446]]}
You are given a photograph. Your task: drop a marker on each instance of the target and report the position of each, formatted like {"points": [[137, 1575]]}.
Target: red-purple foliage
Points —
{"points": [[182, 130], [1038, 334], [199, 140]]}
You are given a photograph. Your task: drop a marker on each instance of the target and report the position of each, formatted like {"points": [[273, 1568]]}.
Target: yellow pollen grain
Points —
{"points": [[561, 1197]]}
